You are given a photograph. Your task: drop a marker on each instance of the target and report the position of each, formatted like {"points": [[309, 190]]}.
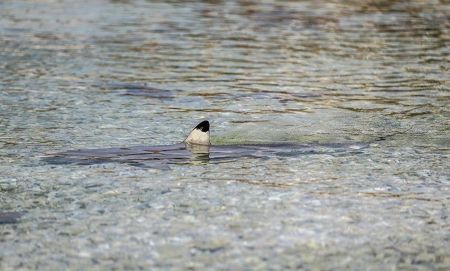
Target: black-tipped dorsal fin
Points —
{"points": [[199, 135], [203, 126]]}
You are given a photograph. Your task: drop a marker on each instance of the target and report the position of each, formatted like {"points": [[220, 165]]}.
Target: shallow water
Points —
{"points": [[99, 74]]}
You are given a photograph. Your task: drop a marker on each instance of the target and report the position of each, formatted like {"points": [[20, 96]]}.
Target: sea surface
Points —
{"points": [[364, 85]]}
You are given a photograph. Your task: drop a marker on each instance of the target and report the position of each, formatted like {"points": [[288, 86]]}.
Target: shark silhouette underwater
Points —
{"points": [[195, 148]]}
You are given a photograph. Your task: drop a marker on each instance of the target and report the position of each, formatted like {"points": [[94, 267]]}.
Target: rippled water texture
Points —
{"points": [[323, 74]]}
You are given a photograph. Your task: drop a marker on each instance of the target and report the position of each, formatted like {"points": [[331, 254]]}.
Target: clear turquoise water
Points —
{"points": [[78, 74]]}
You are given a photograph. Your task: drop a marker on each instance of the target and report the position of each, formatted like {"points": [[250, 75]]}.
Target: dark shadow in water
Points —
{"points": [[163, 156], [140, 89], [10, 217]]}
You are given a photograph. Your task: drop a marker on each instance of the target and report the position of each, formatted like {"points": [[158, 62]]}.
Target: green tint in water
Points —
{"points": [[96, 74]]}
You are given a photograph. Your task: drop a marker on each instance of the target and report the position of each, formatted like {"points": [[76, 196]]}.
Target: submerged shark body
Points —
{"points": [[196, 147]]}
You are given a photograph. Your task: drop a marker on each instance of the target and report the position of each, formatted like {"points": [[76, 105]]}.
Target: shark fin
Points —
{"points": [[199, 135]]}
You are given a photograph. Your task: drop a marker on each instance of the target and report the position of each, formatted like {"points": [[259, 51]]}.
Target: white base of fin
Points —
{"points": [[198, 137]]}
